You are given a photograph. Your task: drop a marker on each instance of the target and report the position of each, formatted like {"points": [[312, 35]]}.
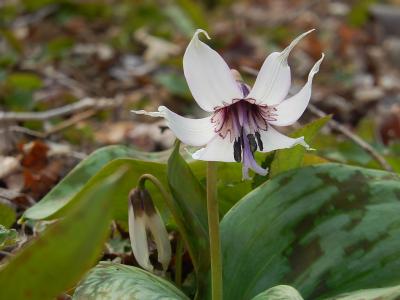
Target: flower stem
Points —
{"points": [[213, 229]]}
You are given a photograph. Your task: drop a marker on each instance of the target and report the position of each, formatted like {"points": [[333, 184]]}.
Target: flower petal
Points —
{"points": [[194, 132], [273, 140], [138, 237], [273, 81], [208, 76], [160, 235], [290, 110], [218, 149]]}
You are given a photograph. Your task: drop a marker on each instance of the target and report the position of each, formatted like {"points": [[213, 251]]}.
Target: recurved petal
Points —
{"points": [[208, 76], [290, 110], [160, 235], [273, 140], [218, 149], [274, 79], [194, 132], [138, 237]]}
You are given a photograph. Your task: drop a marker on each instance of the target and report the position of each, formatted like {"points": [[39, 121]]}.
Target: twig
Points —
{"points": [[76, 88], [352, 136], [339, 127], [70, 122], [85, 103], [20, 129]]}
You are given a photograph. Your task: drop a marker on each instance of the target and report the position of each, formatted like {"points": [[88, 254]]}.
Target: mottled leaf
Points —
{"points": [[280, 292], [324, 229], [389, 293], [115, 281]]}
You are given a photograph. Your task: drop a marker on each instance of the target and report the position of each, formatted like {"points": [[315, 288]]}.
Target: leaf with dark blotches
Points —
{"points": [[324, 229], [115, 281], [279, 292], [388, 293]]}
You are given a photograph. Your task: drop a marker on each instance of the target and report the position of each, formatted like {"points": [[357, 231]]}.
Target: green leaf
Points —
{"points": [[90, 171], [19, 100], [7, 215], [231, 187], [19, 88], [324, 229], [12, 40], [56, 260], [115, 281], [180, 19], [360, 12], [59, 47], [195, 11], [280, 292], [24, 81], [79, 177], [287, 159], [389, 293], [176, 84], [190, 202]]}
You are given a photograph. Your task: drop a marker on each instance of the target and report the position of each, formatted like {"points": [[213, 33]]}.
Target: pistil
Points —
{"points": [[242, 122]]}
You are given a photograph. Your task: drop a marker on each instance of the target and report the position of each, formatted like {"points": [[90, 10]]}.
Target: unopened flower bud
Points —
{"points": [[144, 217]]}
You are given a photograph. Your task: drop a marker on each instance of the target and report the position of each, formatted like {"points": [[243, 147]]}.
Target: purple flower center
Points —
{"points": [[243, 120]]}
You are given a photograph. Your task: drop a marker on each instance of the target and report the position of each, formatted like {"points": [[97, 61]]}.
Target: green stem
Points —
{"points": [[213, 229], [178, 261]]}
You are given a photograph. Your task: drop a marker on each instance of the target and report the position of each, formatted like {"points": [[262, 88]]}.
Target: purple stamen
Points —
{"points": [[243, 120], [249, 161]]}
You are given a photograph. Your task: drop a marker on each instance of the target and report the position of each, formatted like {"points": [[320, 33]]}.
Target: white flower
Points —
{"points": [[143, 217], [242, 119]]}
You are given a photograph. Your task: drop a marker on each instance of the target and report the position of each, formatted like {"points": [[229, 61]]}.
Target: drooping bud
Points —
{"points": [[144, 217]]}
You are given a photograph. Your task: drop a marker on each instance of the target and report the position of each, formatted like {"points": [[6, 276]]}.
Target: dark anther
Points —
{"points": [[252, 142], [237, 150], [259, 141]]}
